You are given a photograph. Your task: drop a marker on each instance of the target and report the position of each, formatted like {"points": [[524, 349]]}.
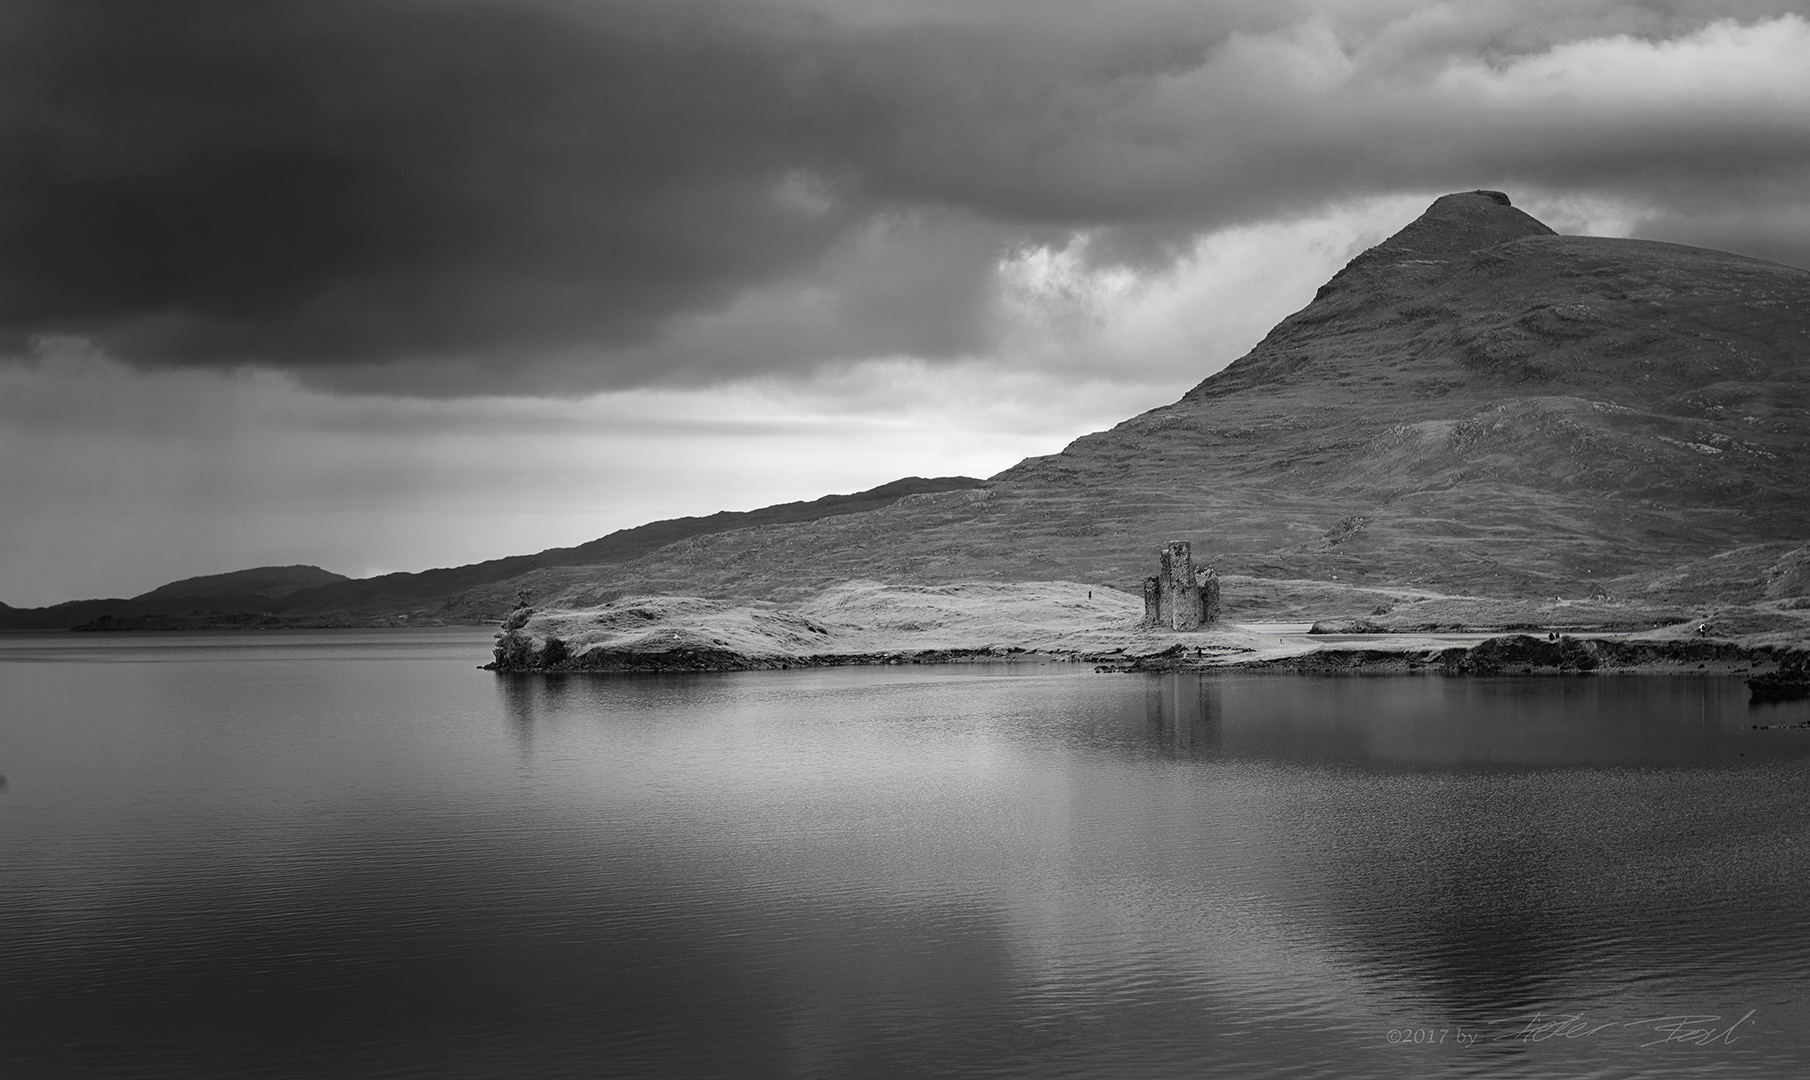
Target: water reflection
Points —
{"points": [[1493, 848], [1183, 713], [528, 697], [1439, 722], [345, 867]]}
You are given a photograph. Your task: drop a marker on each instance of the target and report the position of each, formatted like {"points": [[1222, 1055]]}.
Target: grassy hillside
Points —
{"points": [[1476, 406], [312, 596]]}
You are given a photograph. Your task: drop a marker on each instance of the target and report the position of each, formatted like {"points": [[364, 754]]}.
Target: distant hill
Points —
{"points": [[77, 612], [310, 595], [270, 581], [393, 591]]}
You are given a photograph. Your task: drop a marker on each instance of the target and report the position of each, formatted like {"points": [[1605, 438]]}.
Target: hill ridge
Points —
{"points": [[1527, 415], [388, 591], [270, 581]]}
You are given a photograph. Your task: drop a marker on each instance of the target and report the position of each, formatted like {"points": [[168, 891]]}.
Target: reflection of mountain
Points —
{"points": [[1418, 723], [1500, 846], [1476, 405]]}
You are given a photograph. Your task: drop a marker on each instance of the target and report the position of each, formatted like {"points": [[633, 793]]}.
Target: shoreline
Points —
{"points": [[1506, 654], [867, 623], [1509, 654]]}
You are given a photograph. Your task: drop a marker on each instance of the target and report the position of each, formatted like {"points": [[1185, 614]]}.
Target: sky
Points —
{"points": [[388, 284]]}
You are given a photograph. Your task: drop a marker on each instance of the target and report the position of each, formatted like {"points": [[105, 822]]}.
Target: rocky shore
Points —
{"points": [[1515, 654], [868, 623]]}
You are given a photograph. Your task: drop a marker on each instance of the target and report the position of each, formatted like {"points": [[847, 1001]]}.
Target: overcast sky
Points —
{"points": [[389, 284]]}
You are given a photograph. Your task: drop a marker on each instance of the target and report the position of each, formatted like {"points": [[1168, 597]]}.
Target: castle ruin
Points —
{"points": [[1181, 597]]}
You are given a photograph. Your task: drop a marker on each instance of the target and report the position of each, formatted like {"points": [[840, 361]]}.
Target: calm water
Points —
{"points": [[352, 854]]}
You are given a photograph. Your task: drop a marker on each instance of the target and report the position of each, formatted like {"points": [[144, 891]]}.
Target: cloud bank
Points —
{"points": [[565, 196]]}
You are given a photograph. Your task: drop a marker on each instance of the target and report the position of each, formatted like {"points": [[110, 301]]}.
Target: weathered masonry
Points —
{"points": [[1181, 597]]}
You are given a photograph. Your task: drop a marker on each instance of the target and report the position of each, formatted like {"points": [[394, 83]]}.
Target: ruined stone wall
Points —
{"points": [[1182, 592], [1209, 595], [1181, 597]]}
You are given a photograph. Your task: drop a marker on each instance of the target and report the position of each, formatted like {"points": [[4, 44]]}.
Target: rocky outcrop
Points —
{"points": [[1790, 681], [1524, 653]]}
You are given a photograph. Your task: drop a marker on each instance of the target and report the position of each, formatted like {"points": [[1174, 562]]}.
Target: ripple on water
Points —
{"points": [[296, 861]]}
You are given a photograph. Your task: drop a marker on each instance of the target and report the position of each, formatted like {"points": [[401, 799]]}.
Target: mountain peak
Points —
{"points": [[1461, 222]]}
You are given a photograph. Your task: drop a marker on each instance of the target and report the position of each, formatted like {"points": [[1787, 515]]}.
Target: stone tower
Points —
{"points": [[1181, 597]]}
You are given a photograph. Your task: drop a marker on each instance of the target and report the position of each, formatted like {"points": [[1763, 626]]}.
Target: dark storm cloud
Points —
{"points": [[343, 182], [478, 189]]}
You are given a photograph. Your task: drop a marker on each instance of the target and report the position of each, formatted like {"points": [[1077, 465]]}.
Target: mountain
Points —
{"points": [[1477, 405]]}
